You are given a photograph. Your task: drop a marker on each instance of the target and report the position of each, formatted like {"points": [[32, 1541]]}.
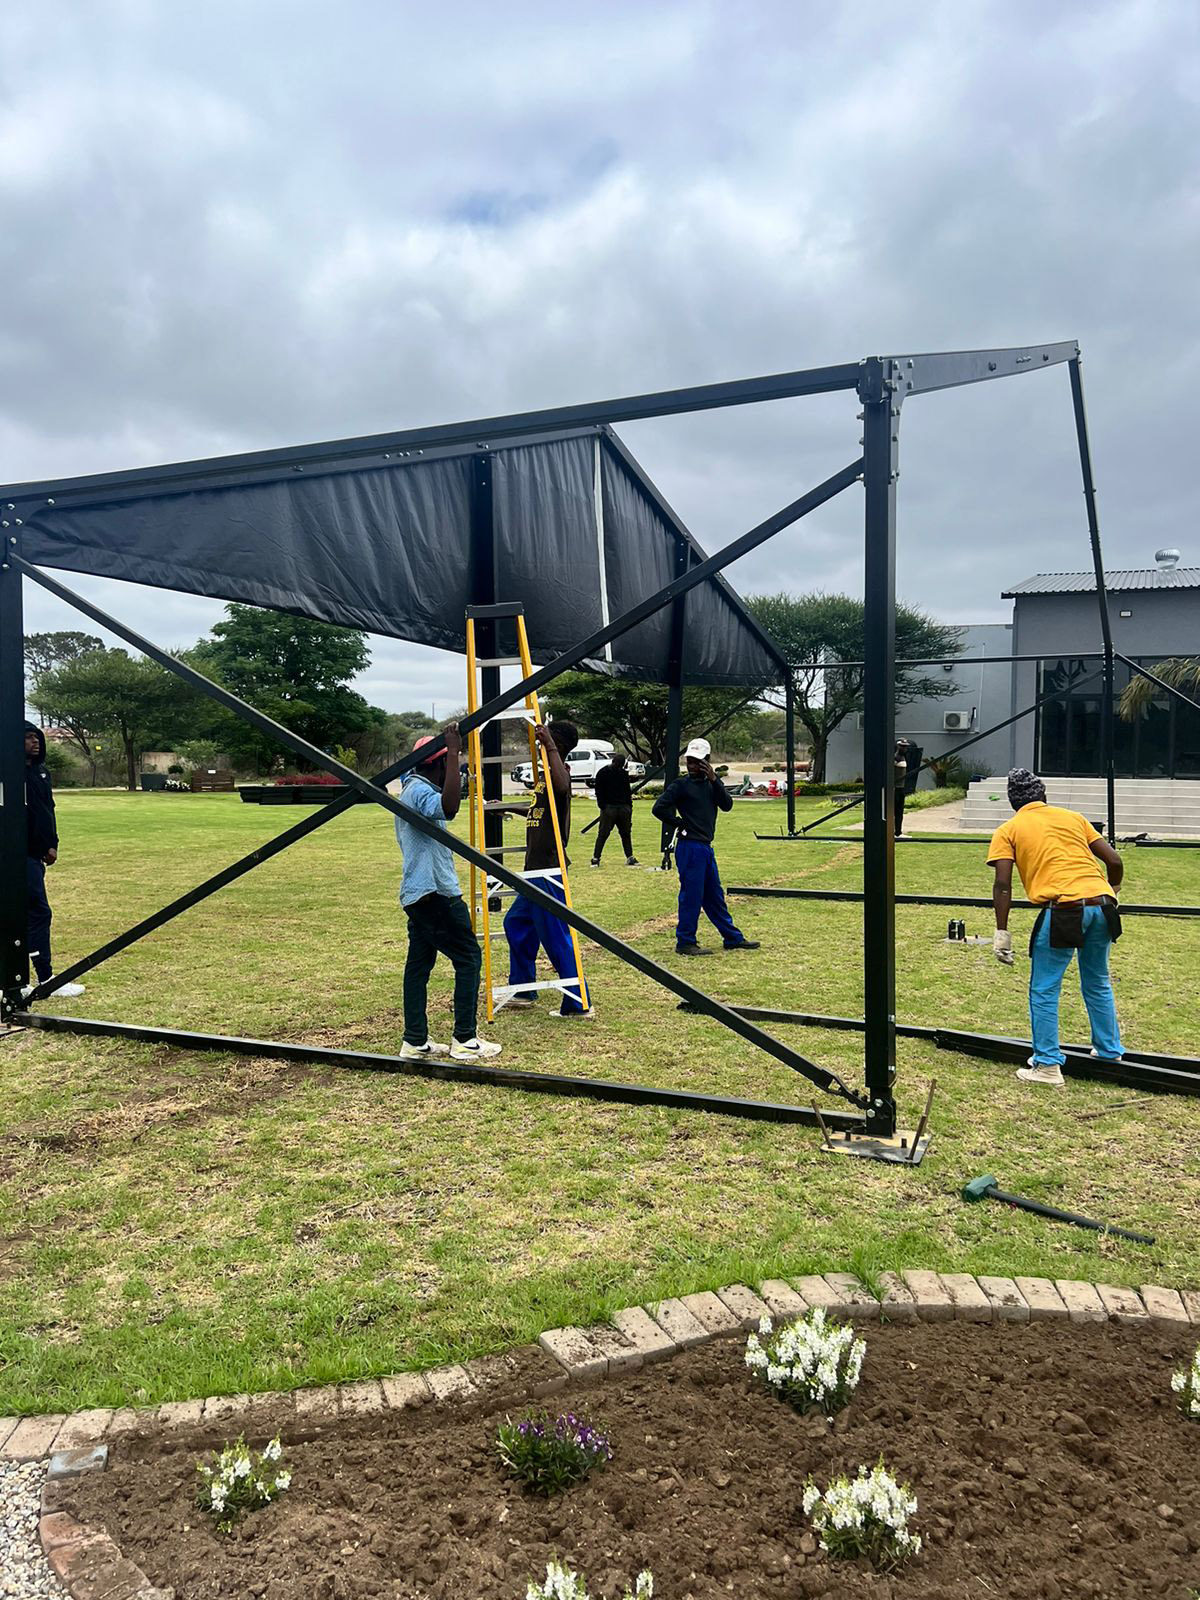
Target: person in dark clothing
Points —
{"points": [[907, 770], [690, 805], [615, 799], [527, 926], [41, 851]]}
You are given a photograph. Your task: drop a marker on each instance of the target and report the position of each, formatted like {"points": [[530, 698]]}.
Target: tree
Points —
{"points": [[1139, 694], [107, 691], [634, 715], [814, 628], [45, 651], [295, 670]]}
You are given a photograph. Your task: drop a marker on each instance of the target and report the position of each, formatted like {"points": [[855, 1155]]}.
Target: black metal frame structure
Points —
{"points": [[883, 384]]}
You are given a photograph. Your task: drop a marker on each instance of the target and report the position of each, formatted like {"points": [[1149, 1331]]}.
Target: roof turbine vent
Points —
{"points": [[1167, 560]]}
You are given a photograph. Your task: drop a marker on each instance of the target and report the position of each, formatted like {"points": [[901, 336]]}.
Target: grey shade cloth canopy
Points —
{"points": [[384, 543]]}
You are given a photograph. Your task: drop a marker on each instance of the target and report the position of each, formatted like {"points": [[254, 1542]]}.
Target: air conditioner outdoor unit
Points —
{"points": [[957, 721]]}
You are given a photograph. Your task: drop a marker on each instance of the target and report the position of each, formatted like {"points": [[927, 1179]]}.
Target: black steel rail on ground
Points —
{"points": [[852, 896], [1165, 1074], [857, 838], [631, 1094]]}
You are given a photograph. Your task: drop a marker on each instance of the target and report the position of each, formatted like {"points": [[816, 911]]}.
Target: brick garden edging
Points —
{"points": [[91, 1567]]}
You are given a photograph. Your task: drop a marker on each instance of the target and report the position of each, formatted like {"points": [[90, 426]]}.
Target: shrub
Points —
{"points": [[236, 1481], [955, 773], [1186, 1385], [198, 753], [561, 1583], [550, 1456], [306, 778], [810, 1362], [867, 1516], [177, 786]]}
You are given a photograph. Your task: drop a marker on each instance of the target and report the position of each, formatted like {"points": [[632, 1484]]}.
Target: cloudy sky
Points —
{"points": [[234, 225]]}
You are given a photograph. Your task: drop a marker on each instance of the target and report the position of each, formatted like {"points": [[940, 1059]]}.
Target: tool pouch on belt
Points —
{"points": [[1112, 915], [1066, 926]]}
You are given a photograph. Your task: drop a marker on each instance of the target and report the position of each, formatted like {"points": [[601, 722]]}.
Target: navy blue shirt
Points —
{"points": [[694, 803]]}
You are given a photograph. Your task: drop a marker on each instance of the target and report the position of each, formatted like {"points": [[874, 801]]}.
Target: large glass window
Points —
{"points": [[1164, 742]]}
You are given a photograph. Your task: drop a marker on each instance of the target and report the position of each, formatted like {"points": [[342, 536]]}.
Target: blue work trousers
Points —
{"points": [[38, 918], [526, 927], [700, 890], [1046, 973]]}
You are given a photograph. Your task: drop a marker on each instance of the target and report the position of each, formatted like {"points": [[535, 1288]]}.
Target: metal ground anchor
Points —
{"points": [[905, 1148]]}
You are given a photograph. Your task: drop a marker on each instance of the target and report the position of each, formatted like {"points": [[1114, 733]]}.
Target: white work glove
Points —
{"points": [[1002, 947]]}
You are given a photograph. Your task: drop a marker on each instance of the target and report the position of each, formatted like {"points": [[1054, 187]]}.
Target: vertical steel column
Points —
{"points": [[789, 736], [675, 670], [14, 948], [1107, 742], [881, 420], [487, 634]]}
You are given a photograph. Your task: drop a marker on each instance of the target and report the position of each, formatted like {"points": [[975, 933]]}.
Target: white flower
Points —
{"points": [[272, 1451], [241, 1468], [283, 1480]]}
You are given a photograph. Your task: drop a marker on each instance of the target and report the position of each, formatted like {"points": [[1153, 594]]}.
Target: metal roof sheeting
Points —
{"points": [[1115, 582]]}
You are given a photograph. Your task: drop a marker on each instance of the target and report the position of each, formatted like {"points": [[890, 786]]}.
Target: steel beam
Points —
{"points": [[446, 1071], [881, 432], [949, 369], [14, 944], [1107, 752], [854, 897], [177, 477]]}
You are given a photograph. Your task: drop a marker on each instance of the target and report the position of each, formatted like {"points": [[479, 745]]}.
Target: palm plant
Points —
{"points": [[1139, 695]]}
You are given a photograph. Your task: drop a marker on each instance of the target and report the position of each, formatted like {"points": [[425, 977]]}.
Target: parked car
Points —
{"points": [[583, 763]]}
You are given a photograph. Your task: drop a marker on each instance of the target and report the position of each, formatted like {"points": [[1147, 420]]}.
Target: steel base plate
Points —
{"points": [[905, 1148]]}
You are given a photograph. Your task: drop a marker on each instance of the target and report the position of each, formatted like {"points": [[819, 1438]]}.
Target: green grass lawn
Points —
{"points": [[174, 1225]]}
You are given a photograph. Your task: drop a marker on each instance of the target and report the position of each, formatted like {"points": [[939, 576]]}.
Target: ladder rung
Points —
{"points": [[507, 990], [512, 714], [496, 805], [498, 661]]}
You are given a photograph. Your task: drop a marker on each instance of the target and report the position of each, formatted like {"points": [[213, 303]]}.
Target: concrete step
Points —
{"points": [[1162, 807]]}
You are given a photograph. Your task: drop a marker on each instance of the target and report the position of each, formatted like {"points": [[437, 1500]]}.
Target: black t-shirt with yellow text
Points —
{"points": [[540, 852]]}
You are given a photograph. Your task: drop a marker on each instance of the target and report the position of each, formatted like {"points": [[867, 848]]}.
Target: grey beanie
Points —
{"points": [[1024, 787]]}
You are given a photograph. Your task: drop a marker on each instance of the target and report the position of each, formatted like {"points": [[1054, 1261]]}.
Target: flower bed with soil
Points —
{"points": [[1048, 1460]]}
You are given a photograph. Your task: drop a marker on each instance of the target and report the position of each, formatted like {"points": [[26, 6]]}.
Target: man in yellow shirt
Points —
{"points": [[1073, 875]]}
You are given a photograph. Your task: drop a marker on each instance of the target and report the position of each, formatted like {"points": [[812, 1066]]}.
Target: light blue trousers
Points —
{"points": [[1046, 974]]}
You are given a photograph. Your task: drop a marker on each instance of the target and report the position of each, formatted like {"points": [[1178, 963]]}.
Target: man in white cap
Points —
{"points": [[690, 805]]}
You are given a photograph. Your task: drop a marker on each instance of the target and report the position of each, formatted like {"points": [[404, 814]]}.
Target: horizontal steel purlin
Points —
{"points": [[447, 1071], [762, 892], [1144, 1069]]}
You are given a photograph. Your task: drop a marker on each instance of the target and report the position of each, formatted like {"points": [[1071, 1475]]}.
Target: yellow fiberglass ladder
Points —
{"points": [[487, 893]]}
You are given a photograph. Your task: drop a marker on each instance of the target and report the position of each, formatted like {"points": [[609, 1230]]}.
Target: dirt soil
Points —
{"points": [[1048, 1461]]}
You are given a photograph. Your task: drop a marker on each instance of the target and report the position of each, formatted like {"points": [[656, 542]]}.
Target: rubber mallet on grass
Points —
{"points": [[987, 1188]]}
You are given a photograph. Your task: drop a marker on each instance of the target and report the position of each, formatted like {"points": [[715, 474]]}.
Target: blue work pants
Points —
{"points": [[526, 927], [38, 918], [1047, 970], [700, 890]]}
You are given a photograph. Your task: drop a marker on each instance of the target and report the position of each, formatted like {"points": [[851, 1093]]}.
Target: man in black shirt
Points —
{"points": [[41, 851], [690, 804], [615, 799], [527, 926]]}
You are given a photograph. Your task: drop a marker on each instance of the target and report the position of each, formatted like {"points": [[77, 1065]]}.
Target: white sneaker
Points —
{"points": [[520, 1002], [1039, 1072], [1096, 1056], [575, 1016], [423, 1052], [473, 1050], [66, 991]]}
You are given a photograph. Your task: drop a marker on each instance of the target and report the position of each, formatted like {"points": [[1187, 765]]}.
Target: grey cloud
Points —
{"points": [[229, 227]]}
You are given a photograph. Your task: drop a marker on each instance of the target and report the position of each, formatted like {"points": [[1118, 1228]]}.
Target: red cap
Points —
{"points": [[427, 738]]}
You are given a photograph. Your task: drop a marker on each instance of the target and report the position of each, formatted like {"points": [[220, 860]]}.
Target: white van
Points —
{"points": [[583, 763]]}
